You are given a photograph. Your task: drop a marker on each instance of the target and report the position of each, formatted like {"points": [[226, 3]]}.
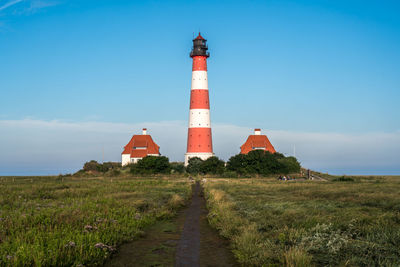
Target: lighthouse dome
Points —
{"points": [[199, 47]]}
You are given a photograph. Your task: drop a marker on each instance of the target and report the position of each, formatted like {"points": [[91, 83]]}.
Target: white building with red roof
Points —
{"points": [[139, 147], [257, 141]]}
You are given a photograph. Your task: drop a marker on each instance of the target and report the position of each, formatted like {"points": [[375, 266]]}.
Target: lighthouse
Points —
{"points": [[199, 142]]}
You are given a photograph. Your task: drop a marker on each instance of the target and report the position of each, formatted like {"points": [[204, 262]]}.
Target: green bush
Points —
{"points": [[94, 166], [237, 164], [151, 165], [194, 165], [177, 167], [343, 179], [212, 165], [263, 162]]}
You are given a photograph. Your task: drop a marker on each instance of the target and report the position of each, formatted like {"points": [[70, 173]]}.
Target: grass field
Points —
{"points": [[64, 221], [348, 222]]}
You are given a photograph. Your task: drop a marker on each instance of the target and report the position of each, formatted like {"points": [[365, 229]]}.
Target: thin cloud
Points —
{"points": [[39, 4], [9, 4], [28, 6], [34, 146]]}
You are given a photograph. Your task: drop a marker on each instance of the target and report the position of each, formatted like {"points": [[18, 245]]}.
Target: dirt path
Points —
{"points": [[200, 245], [188, 251], [187, 240]]}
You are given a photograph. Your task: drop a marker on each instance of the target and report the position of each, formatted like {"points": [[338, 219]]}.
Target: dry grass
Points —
{"points": [[275, 223]]}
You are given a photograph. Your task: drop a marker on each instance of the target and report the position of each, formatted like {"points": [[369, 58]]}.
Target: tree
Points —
{"points": [[263, 162], [212, 165], [194, 165], [291, 165], [237, 164]]}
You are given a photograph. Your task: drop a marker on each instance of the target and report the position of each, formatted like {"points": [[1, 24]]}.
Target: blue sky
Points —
{"points": [[316, 67]]}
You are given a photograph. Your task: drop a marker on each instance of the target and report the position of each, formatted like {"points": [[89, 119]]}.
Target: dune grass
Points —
{"points": [[67, 221], [350, 222]]}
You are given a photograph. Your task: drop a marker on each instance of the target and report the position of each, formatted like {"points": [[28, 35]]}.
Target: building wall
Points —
{"points": [[126, 159]]}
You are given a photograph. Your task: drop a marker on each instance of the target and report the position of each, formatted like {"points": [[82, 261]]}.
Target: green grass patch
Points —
{"points": [[64, 221], [304, 223]]}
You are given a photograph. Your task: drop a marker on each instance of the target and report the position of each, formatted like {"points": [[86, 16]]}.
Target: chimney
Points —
{"points": [[257, 131], [144, 131]]}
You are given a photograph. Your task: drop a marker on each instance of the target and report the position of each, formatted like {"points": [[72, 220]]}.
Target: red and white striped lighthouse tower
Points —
{"points": [[199, 142]]}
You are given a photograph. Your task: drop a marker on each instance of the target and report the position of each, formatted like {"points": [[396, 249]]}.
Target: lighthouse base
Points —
{"points": [[203, 156]]}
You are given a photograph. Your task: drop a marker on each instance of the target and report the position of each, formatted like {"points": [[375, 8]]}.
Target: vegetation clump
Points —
{"points": [[257, 162], [343, 179], [212, 165], [93, 167], [263, 163], [151, 165]]}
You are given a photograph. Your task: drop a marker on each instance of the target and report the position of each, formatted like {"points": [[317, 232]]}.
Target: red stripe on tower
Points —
{"points": [[199, 143]]}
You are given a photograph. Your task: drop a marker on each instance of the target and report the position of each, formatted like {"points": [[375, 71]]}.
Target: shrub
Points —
{"points": [[98, 167], [91, 166], [263, 162], [177, 167], [237, 164], [151, 165], [212, 165], [343, 179], [291, 165], [194, 165]]}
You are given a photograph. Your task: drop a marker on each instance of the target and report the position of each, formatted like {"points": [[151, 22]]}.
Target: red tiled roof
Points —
{"points": [[256, 141], [142, 141], [139, 153]]}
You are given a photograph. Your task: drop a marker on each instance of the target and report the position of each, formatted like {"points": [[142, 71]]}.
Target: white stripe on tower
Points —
{"points": [[199, 80], [199, 118]]}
